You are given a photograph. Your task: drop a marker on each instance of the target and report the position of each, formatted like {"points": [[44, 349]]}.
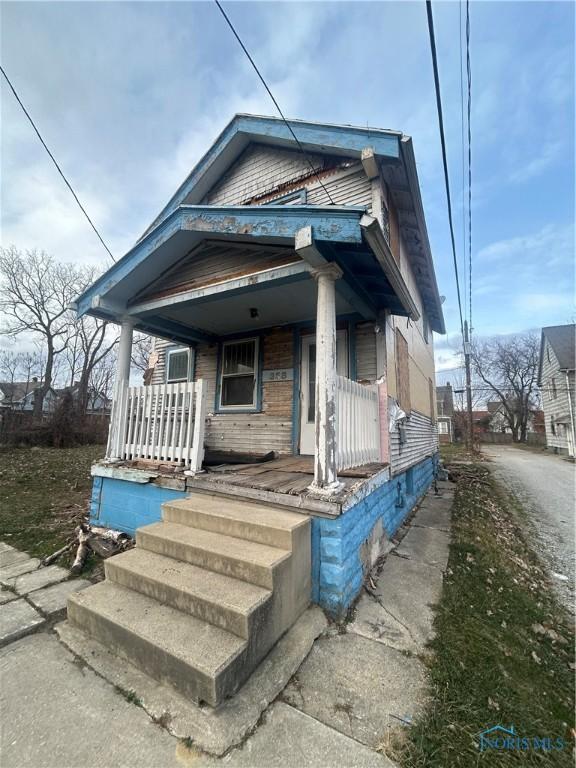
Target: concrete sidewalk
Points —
{"points": [[69, 703]]}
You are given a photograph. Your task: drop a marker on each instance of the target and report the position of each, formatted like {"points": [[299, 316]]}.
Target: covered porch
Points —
{"points": [[221, 283]]}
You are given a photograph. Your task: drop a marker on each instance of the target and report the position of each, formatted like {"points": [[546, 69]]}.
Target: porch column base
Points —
{"points": [[326, 491]]}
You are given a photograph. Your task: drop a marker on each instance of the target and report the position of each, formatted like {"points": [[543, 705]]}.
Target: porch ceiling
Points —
{"points": [[278, 304]]}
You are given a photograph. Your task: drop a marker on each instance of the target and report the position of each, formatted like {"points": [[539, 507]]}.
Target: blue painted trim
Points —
{"points": [[280, 222], [296, 352], [242, 129], [299, 194]]}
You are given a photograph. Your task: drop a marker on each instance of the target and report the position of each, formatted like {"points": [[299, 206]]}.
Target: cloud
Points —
{"points": [[550, 245], [539, 163]]}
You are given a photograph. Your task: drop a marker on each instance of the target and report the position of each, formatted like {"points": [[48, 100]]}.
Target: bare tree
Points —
{"points": [[141, 351], [35, 295], [508, 366]]}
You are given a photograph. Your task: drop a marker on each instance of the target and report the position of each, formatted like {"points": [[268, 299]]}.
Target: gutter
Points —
{"points": [[375, 238]]}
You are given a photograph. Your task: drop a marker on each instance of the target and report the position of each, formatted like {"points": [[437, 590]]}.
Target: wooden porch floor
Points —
{"points": [[284, 480], [287, 477]]}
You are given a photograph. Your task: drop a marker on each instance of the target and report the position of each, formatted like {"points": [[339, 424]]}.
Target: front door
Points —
{"points": [[308, 385]]}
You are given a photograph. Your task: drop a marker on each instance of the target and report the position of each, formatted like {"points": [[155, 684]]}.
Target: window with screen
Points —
{"points": [[239, 374], [178, 365]]}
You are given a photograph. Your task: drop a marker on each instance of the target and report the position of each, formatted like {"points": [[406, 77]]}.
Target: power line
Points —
{"points": [[18, 99], [464, 267], [444, 160], [265, 84], [469, 73]]}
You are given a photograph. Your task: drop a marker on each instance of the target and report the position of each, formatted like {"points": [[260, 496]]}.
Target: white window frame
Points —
{"points": [[253, 406], [174, 351]]}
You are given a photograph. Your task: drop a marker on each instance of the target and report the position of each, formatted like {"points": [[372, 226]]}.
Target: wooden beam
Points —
{"points": [[369, 163], [376, 240]]}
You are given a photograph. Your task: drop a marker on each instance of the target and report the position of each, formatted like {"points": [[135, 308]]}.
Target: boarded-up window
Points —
{"points": [[431, 392], [402, 372]]}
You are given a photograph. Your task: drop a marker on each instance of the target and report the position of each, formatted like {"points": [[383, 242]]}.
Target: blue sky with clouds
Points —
{"points": [[129, 95]]}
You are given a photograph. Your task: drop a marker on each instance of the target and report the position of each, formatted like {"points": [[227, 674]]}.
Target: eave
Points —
{"points": [[348, 141]]}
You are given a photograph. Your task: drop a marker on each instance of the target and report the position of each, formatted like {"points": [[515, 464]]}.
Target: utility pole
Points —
{"points": [[469, 420]]}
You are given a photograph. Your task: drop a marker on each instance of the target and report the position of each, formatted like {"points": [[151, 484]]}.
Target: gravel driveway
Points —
{"points": [[545, 484]]}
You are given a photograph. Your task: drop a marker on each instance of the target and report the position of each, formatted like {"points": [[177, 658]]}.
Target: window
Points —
{"points": [[292, 198], [443, 427], [178, 367], [239, 374], [402, 373], [552, 427]]}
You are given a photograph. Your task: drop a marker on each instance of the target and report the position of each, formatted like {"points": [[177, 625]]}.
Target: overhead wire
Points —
{"points": [[469, 74], [60, 171], [463, 153], [444, 157], [274, 100]]}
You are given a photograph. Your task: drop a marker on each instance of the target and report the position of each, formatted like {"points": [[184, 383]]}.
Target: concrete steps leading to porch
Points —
{"points": [[205, 594], [228, 603], [245, 560], [244, 520]]}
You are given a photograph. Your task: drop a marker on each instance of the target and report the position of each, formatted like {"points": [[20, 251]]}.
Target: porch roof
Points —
{"points": [[346, 235]]}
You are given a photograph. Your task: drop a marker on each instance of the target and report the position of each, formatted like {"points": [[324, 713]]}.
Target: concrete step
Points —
{"points": [[242, 519], [202, 661], [245, 560], [227, 603]]}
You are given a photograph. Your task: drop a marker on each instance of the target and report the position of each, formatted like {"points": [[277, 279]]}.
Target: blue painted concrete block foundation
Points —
{"points": [[342, 546], [125, 506]]}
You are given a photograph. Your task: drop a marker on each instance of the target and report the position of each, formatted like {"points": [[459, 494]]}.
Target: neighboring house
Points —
{"points": [[445, 413], [98, 402], [20, 396], [557, 386], [499, 423], [293, 300]]}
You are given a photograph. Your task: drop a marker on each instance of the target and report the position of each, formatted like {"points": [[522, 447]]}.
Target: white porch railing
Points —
{"points": [[162, 422], [357, 423]]}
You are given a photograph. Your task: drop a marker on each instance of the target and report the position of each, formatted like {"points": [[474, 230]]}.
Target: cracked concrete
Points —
{"points": [[360, 685]]}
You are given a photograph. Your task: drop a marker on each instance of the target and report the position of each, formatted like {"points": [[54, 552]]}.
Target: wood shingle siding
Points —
{"points": [[259, 170], [421, 441]]}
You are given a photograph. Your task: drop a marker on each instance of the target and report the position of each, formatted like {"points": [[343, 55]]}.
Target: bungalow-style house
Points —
{"points": [[98, 403], [557, 386], [288, 427], [20, 396], [445, 413], [500, 423]]}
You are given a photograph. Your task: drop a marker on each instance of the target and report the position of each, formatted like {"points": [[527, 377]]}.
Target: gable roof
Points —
{"points": [[188, 216], [18, 390], [562, 339]]}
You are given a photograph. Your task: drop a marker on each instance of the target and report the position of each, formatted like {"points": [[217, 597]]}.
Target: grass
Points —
{"points": [[503, 652], [43, 493]]}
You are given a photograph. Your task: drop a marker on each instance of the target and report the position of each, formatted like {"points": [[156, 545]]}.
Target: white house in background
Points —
{"points": [[20, 395], [289, 426], [557, 386]]}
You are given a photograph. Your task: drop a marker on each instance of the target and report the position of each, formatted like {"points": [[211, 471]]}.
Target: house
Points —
{"points": [[499, 422], [98, 402], [20, 395], [445, 413], [288, 428], [557, 386]]}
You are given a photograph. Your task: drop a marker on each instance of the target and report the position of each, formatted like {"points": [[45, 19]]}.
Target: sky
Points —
{"points": [[129, 95]]}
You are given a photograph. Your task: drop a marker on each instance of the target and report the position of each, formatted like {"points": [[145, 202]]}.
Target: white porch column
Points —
{"points": [[120, 383], [382, 382], [325, 479]]}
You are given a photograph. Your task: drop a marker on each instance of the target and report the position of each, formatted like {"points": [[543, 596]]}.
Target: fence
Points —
{"points": [[162, 422], [357, 423]]}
